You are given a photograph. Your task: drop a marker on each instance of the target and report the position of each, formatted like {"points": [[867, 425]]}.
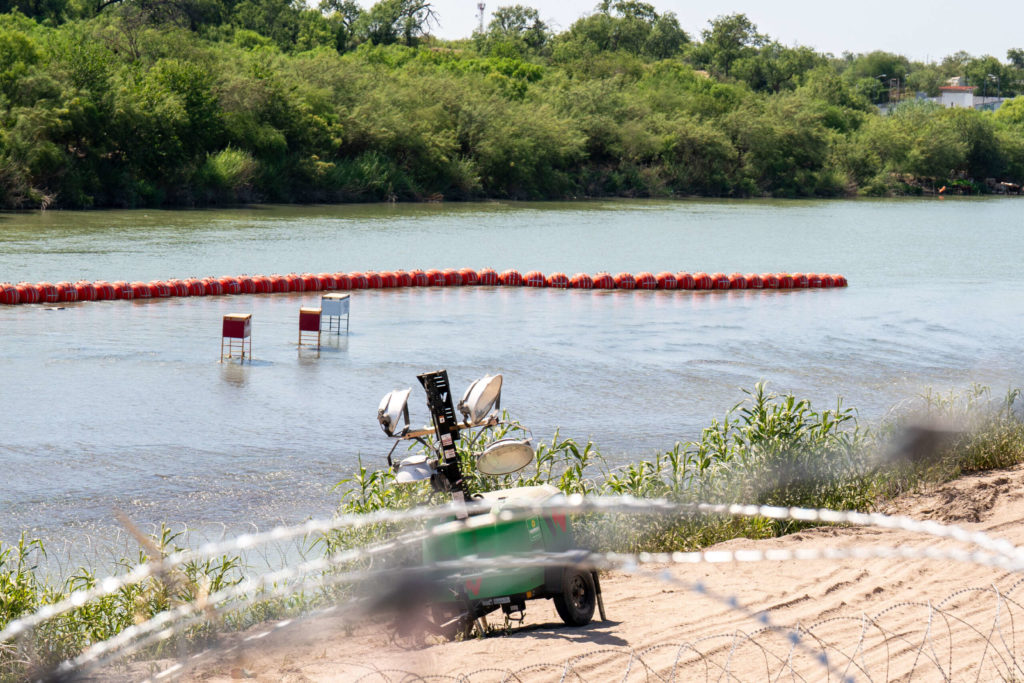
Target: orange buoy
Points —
{"points": [[86, 290], [374, 280], [388, 279], [435, 278], [66, 291], [196, 287], [278, 283], [557, 280], [488, 276], [770, 280], [419, 278], [48, 293], [511, 278], [230, 284], [159, 289], [402, 279], [840, 280], [358, 279], [469, 277], [799, 281], [702, 280], [719, 281], [213, 286], [327, 282], [310, 282], [104, 290], [604, 280], [177, 287], [785, 281], [645, 280], [534, 278], [666, 280], [737, 281], [295, 282], [754, 281], [140, 290], [263, 284], [123, 289], [452, 277], [685, 280], [9, 294], [625, 281], [814, 280], [581, 281], [342, 281], [28, 293], [827, 281]]}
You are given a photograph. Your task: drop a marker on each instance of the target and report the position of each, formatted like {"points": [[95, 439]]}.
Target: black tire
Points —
{"points": [[575, 604]]}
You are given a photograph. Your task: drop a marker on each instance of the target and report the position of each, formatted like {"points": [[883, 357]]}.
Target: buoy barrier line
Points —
{"points": [[101, 290]]}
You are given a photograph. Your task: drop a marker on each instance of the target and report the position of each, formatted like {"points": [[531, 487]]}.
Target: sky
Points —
{"points": [[922, 31]]}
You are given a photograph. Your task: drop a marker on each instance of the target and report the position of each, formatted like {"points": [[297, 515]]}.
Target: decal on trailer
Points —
{"points": [[555, 521]]}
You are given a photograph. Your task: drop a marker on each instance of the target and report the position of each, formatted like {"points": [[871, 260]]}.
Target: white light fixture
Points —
{"points": [[482, 395], [412, 469], [505, 457], [393, 412]]}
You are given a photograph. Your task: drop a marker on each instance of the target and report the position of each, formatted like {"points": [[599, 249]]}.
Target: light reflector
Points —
{"points": [[480, 398], [393, 412], [414, 468], [505, 457]]}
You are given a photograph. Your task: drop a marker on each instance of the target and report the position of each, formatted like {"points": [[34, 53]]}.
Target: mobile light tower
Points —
{"points": [[463, 597]]}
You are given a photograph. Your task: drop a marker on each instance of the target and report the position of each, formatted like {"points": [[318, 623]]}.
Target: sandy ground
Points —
{"points": [[873, 619]]}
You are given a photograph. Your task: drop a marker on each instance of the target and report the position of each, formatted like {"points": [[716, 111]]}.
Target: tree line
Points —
{"points": [[125, 103]]}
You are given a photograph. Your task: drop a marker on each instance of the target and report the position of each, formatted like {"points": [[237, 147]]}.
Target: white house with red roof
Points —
{"points": [[957, 96]]}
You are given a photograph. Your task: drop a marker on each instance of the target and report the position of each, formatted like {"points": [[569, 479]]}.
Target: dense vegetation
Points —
{"points": [[776, 450], [186, 102]]}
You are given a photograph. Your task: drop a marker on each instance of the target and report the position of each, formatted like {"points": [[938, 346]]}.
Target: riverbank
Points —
{"points": [[221, 114], [774, 450], [875, 618]]}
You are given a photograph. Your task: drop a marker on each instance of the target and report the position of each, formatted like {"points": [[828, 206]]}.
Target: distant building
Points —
{"points": [[957, 96]]}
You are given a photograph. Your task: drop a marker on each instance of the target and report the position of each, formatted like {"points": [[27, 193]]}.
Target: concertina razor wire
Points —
{"points": [[988, 551]]}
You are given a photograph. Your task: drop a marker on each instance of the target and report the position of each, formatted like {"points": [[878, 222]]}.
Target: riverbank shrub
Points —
{"points": [[150, 105]]}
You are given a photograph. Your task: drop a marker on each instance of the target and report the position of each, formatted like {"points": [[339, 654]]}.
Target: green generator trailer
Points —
{"points": [[463, 596]]}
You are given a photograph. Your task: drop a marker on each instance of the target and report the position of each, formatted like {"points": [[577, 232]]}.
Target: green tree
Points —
{"points": [[731, 38], [775, 67], [628, 26], [393, 21], [49, 11], [342, 15]]}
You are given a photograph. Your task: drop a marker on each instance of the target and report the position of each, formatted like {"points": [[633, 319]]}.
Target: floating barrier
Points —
{"points": [[101, 290]]}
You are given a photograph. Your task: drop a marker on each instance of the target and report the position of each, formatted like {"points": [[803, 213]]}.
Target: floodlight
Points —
{"points": [[393, 412], [414, 468], [481, 396], [505, 457]]}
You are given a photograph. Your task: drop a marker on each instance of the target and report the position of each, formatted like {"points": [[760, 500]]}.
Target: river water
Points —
{"points": [[123, 404]]}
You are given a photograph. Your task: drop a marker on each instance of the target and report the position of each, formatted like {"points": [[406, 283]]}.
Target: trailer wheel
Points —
{"points": [[576, 602]]}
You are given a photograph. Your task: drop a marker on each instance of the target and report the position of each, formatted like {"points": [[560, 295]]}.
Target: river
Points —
{"points": [[123, 404]]}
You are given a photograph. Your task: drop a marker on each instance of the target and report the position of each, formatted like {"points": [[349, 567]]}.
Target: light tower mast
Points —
{"points": [[480, 6]]}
